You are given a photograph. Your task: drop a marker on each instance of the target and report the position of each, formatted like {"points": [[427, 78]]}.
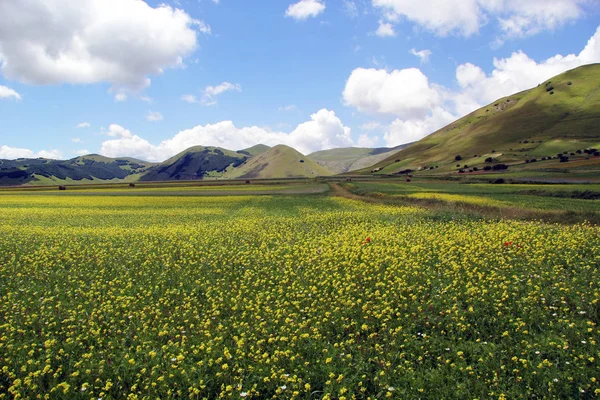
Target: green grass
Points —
{"points": [[526, 196]]}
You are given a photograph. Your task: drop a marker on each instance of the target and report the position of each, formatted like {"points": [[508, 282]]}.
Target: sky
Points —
{"points": [[148, 79]]}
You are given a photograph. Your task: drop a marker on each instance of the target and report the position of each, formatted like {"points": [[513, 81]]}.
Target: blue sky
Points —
{"points": [[149, 79]]}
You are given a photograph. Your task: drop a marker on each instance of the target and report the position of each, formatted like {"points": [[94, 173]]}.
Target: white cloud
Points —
{"points": [[121, 42], [120, 97], [83, 125], [370, 126], [520, 18], [82, 152], [211, 92], [324, 131], [115, 130], [11, 153], [385, 29], [422, 54], [409, 130], [146, 99], [439, 16], [305, 9], [52, 154], [350, 9], [76, 140], [154, 116], [290, 107], [367, 141], [189, 98], [405, 93], [466, 17], [6, 92]]}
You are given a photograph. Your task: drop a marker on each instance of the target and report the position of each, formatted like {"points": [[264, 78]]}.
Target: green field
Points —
{"points": [[535, 197], [291, 297]]}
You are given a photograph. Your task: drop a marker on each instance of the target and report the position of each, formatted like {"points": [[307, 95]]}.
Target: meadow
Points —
{"points": [[549, 197], [290, 297]]}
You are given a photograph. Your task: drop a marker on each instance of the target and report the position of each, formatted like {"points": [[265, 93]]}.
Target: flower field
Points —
{"points": [[303, 297]]}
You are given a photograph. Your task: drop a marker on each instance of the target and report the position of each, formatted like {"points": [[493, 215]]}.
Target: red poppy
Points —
{"points": [[367, 240], [506, 244]]}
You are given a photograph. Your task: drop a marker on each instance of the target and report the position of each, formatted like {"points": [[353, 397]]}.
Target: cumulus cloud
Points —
{"points": [[410, 130], [121, 42], [83, 125], [465, 17], [421, 107], [367, 141], [305, 9], [324, 131], [422, 54], [439, 16], [403, 93], [8, 93], [11, 153], [154, 116]]}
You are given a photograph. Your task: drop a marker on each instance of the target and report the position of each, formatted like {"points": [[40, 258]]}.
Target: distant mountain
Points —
{"points": [[279, 162], [196, 163], [90, 168], [348, 159], [255, 150], [561, 115]]}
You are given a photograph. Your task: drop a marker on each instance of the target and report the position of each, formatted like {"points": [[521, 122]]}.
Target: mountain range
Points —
{"points": [[552, 130]]}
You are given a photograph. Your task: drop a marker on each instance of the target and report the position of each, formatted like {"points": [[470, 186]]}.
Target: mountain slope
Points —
{"points": [[82, 169], [347, 159], [279, 162], [255, 150], [560, 115], [195, 163]]}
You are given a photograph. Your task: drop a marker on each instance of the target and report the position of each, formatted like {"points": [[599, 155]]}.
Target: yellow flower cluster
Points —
{"points": [[291, 298]]}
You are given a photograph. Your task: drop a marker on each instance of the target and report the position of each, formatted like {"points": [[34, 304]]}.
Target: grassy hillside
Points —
{"points": [[84, 169], [255, 150], [195, 163], [279, 162], [352, 158], [561, 115]]}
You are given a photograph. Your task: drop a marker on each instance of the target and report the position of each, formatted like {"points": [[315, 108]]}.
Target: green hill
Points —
{"points": [[196, 163], [561, 115], [279, 162], [255, 150], [84, 169], [347, 159]]}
